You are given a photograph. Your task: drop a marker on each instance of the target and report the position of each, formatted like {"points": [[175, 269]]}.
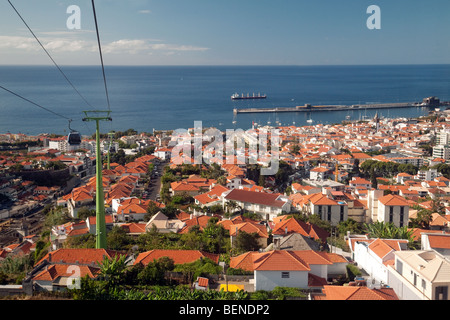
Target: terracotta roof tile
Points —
{"points": [[178, 256], [358, 293], [79, 256]]}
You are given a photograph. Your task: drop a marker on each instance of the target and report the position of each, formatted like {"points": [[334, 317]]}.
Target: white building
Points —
{"points": [[439, 242], [420, 275], [393, 209], [268, 205], [374, 255], [442, 152]]}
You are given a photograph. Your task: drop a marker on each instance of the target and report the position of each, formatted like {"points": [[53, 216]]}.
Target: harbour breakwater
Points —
{"points": [[427, 102]]}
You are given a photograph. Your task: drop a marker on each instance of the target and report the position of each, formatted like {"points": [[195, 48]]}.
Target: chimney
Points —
{"points": [[49, 257], [286, 230]]}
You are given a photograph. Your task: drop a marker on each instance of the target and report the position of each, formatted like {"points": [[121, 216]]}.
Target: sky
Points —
{"points": [[227, 32]]}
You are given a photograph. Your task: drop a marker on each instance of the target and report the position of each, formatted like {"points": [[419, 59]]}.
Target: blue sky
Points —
{"points": [[228, 32]]}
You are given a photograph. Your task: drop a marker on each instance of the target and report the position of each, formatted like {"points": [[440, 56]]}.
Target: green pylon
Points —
{"points": [[100, 227]]}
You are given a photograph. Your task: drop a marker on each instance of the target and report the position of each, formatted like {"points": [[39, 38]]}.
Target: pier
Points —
{"points": [[427, 102]]}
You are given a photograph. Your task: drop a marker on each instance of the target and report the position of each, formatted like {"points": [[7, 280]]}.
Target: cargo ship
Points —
{"points": [[236, 96]]}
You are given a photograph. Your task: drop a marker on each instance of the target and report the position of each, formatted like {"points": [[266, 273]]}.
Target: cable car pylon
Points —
{"points": [[97, 116]]}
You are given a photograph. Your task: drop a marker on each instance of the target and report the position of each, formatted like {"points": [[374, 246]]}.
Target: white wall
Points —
{"points": [[383, 214], [268, 280]]}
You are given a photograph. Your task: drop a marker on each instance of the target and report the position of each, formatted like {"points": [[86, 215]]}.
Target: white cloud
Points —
{"points": [[123, 46]]}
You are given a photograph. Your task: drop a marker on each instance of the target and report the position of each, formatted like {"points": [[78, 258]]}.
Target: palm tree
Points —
{"points": [[388, 231], [231, 206]]}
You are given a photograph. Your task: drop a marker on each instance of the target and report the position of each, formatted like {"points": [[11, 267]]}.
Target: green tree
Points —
{"points": [[422, 220], [193, 239], [247, 242], [349, 225], [152, 209], [202, 267], [112, 270], [118, 239], [388, 231], [84, 241], [154, 272], [85, 212]]}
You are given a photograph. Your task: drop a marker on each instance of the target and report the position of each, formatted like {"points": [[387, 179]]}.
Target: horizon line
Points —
{"points": [[229, 65]]}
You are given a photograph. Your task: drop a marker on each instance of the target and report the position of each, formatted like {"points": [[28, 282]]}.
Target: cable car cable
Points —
{"points": [[37, 105], [48, 54], [101, 55]]}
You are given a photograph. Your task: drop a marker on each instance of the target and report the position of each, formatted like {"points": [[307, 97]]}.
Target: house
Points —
{"points": [[392, 209], [267, 205], [437, 242], [59, 277], [134, 229], [285, 268], [420, 275], [319, 173], [326, 207], [374, 255], [403, 176], [294, 241], [131, 212], [91, 223], [298, 188], [163, 224], [183, 187], [200, 221], [57, 269], [60, 233], [360, 182], [78, 198], [211, 197], [279, 269], [287, 226]]}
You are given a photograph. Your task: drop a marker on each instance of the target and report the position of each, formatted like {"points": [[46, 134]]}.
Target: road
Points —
{"points": [[155, 182]]}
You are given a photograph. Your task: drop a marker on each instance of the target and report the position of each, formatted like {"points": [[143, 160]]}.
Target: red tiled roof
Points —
{"points": [[59, 270], [393, 200], [278, 260], [243, 261], [178, 256], [268, 199], [439, 241], [358, 293], [249, 227], [316, 281], [79, 256], [203, 282]]}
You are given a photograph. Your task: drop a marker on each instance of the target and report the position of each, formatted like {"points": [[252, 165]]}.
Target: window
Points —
{"points": [[285, 275], [320, 211], [391, 214], [402, 213], [399, 267], [424, 284], [440, 293], [342, 213]]}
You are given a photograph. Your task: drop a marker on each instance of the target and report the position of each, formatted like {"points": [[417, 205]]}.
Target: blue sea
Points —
{"points": [[171, 97]]}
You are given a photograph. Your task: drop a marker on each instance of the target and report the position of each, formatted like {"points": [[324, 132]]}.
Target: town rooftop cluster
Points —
{"points": [[381, 171]]}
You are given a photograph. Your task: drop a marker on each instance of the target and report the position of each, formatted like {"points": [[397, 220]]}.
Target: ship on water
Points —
{"points": [[236, 96]]}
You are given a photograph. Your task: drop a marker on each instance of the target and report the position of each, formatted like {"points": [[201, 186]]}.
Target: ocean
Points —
{"points": [[151, 98]]}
